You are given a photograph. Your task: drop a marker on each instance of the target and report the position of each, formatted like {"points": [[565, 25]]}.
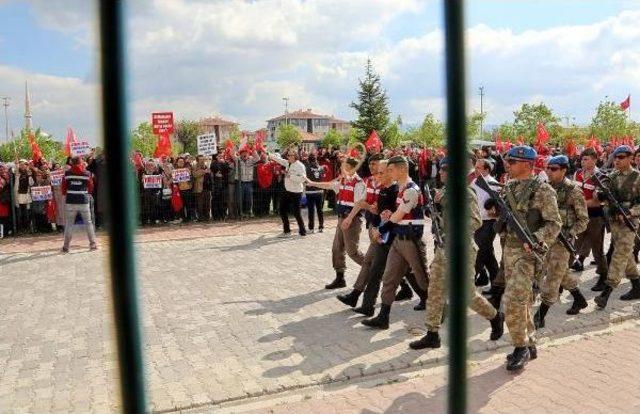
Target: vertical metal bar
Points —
{"points": [[121, 208], [457, 210]]}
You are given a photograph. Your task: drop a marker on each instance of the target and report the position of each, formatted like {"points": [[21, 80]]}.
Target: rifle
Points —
{"points": [[618, 208], [429, 205], [566, 242], [507, 216]]}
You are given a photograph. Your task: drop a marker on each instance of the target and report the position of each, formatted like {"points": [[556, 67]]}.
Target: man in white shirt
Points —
{"points": [[485, 235], [295, 177]]}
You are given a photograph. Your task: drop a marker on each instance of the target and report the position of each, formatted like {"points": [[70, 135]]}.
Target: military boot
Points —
{"points": [[382, 320], [422, 305], [602, 300], [538, 318], [519, 359], [600, 285], [497, 326], [634, 293], [578, 264], [430, 340], [405, 292], [338, 282], [351, 298], [364, 310], [533, 353], [579, 302]]}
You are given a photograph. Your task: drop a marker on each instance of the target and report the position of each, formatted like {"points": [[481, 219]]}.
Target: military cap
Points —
{"points": [[623, 149], [522, 153], [398, 159], [561, 160]]}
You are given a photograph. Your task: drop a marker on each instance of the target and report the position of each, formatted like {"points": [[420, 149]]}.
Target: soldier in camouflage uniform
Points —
{"points": [[624, 183], [573, 212], [437, 283], [534, 203]]}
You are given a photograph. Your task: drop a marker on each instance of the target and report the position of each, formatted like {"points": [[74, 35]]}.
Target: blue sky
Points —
{"points": [[238, 59]]}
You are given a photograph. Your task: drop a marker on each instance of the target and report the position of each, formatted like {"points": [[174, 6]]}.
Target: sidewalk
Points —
{"points": [[597, 372]]}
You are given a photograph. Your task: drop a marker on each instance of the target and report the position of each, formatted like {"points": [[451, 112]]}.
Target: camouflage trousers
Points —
{"points": [[519, 272], [622, 261], [557, 274], [438, 293]]}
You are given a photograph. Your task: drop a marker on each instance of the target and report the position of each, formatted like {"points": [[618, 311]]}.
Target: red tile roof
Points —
{"points": [[216, 120], [307, 114]]}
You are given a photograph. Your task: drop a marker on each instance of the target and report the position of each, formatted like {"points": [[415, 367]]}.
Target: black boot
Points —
{"points": [[338, 282], [579, 302], [533, 353], [496, 298], [519, 359], [634, 293], [538, 318], [578, 265], [600, 285], [382, 320], [363, 310], [430, 340], [405, 292], [351, 298], [422, 305], [602, 300], [497, 326]]}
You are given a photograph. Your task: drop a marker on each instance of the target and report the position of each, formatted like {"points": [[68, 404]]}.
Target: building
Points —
{"points": [[218, 126], [313, 126]]}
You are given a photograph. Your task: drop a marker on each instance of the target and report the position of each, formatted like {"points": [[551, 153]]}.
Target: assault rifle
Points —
{"points": [[432, 212], [566, 242], [617, 207], [507, 217]]}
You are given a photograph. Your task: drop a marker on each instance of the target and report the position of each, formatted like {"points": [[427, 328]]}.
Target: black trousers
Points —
{"points": [[315, 203], [486, 257], [375, 278], [290, 203]]}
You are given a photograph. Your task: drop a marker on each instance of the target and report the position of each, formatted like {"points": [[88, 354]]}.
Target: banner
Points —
{"points": [[162, 122], [152, 181], [207, 144], [80, 149], [56, 177], [41, 193], [181, 175]]}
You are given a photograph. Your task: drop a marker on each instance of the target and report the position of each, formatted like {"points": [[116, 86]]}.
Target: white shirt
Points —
{"points": [[295, 176], [482, 196]]}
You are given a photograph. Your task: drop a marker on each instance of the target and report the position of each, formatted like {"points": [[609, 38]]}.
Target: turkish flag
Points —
{"points": [[571, 148], [626, 103], [163, 147], [36, 154], [373, 141], [542, 136], [499, 146], [71, 138]]}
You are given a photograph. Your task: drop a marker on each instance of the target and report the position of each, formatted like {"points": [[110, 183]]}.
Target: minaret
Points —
{"points": [[27, 108]]}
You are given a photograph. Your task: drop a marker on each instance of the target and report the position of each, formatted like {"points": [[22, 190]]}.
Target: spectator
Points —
{"points": [[76, 186], [294, 179], [186, 191], [58, 199], [39, 207], [315, 195], [265, 173], [246, 165], [168, 214], [5, 200], [22, 187], [150, 196], [202, 186], [220, 172], [233, 190]]}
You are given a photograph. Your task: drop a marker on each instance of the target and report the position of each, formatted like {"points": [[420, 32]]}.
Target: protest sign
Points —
{"points": [[207, 144], [80, 149], [152, 181], [162, 122], [56, 177], [41, 193], [181, 175]]}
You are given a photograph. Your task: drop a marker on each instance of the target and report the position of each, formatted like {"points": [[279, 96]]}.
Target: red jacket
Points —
{"points": [[77, 169], [265, 174]]}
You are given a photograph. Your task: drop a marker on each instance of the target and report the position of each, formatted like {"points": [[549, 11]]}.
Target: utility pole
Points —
{"points": [[286, 109], [481, 110], [5, 103]]}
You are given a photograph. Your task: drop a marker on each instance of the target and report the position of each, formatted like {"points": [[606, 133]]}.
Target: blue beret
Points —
{"points": [[522, 152], [622, 149], [444, 162], [558, 160]]}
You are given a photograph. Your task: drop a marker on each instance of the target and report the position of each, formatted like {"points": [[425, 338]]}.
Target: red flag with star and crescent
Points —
{"points": [[626, 103]]}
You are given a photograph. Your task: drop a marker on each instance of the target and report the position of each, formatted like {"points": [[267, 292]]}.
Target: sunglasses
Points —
{"points": [[511, 161], [621, 157], [553, 168]]}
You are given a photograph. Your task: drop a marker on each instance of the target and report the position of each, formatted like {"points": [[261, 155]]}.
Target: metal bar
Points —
{"points": [[457, 210], [121, 207]]}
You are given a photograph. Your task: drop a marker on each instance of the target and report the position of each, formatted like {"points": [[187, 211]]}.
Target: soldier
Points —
{"points": [[573, 212], [407, 249], [625, 187], [534, 204], [437, 275], [591, 240], [350, 189]]}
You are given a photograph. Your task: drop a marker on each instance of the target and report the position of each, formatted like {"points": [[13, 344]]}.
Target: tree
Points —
{"points": [[372, 106], [143, 139], [527, 119], [474, 121], [186, 133], [395, 137], [609, 121], [288, 135], [235, 135], [507, 132], [20, 147], [429, 134], [332, 139]]}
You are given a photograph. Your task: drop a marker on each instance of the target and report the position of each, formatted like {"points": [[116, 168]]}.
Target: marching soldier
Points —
{"points": [[350, 190], [534, 204], [625, 187], [573, 212], [407, 249], [437, 275]]}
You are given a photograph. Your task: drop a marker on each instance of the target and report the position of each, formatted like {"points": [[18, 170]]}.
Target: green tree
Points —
{"points": [[288, 135], [235, 135], [20, 147], [333, 139], [506, 131], [395, 136], [609, 120], [474, 121], [429, 134], [527, 119], [143, 140], [186, 133], [372, 106]]}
